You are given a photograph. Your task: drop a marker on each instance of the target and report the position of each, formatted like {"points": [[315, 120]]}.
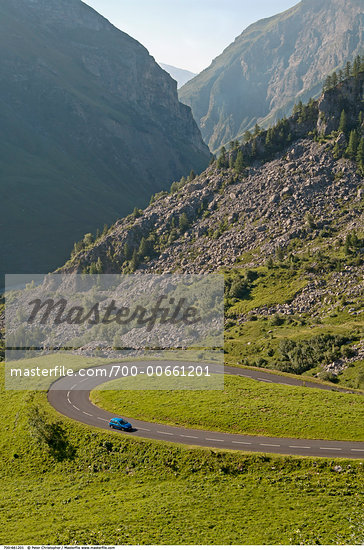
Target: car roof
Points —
{"points": [[117, 419]]}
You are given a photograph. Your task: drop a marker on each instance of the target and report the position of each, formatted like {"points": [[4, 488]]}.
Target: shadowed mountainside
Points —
{"points": [[90, 127]]}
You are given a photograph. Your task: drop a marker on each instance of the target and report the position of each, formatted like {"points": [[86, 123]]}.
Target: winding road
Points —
{"points": [[70, 396]]}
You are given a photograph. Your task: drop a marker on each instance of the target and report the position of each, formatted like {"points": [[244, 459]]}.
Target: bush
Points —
{"points": [[299, 357], [49, 434], [328, 377]]}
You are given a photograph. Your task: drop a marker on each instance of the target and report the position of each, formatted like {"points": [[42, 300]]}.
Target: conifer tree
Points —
{"points": [[99, 268], [356, 66], [134, 262], [222, 160], [247, 136], [362, 64], [343, 122], [360, 155], [254, 149], [192, 175], [327, 86], [143, 248], [257, 130], [239, 163], [353, 145], [127, 251], [348, 69], [183, 222]]}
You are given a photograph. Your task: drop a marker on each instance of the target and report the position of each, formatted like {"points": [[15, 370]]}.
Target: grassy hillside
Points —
{"points": [[116, 490], [245, 406]]}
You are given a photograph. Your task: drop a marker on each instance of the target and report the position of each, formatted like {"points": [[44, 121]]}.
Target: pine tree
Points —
{"points": [[127, 251], [222, 160], [257, 130], [334, 79], [362, 64], [356, 66], [341, 75], [239, 163], [269, 138], [360, 155], [183, 222], [192, 175], [231, 160], [351, 149], [348, 69], [99, 268], [247, 136], [327, 86], [88, 239], [343, 122], [337, 152], [254, 152], [143, 248], [134, 262]]}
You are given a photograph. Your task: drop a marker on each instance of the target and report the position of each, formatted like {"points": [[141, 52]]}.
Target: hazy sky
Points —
{"points": [[186, 33]]}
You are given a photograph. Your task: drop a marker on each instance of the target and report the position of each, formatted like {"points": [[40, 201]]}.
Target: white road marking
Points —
{"points": [[74, 385], [210, 439], [298, 447], [190, 436], [104, 419], [268, 445], [88, 414], [330, 449], [74, 406], [263, 379], [142, 429], [68, 394], [241, 442], [68, 399], [358, 450], [164, 433]]}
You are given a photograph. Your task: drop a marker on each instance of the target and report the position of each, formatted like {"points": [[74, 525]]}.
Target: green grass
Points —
{"points": [[353, 376], [119, 490], [245, 406], [275, 286]]}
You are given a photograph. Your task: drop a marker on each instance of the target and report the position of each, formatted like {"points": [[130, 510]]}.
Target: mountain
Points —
{"points": [[282, 217], [271, 65], [180, 75], [91, 126]]}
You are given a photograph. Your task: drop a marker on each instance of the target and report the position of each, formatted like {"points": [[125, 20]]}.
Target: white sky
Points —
{"points": [[188, 34]]}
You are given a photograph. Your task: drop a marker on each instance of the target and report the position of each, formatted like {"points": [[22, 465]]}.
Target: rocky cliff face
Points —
{"points": [[91, 127], [272, 64], [228, 214]]}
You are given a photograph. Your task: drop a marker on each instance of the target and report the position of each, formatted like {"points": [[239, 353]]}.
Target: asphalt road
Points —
{"points": [[71, 397]]}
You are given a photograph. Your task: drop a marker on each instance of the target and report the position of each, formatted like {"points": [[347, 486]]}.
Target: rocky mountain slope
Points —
{"points": [[271, 64], [90, 127], [282, 216]]}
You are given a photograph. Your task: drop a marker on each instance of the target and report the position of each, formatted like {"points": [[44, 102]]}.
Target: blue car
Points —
{"points": [[120, 424]]}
